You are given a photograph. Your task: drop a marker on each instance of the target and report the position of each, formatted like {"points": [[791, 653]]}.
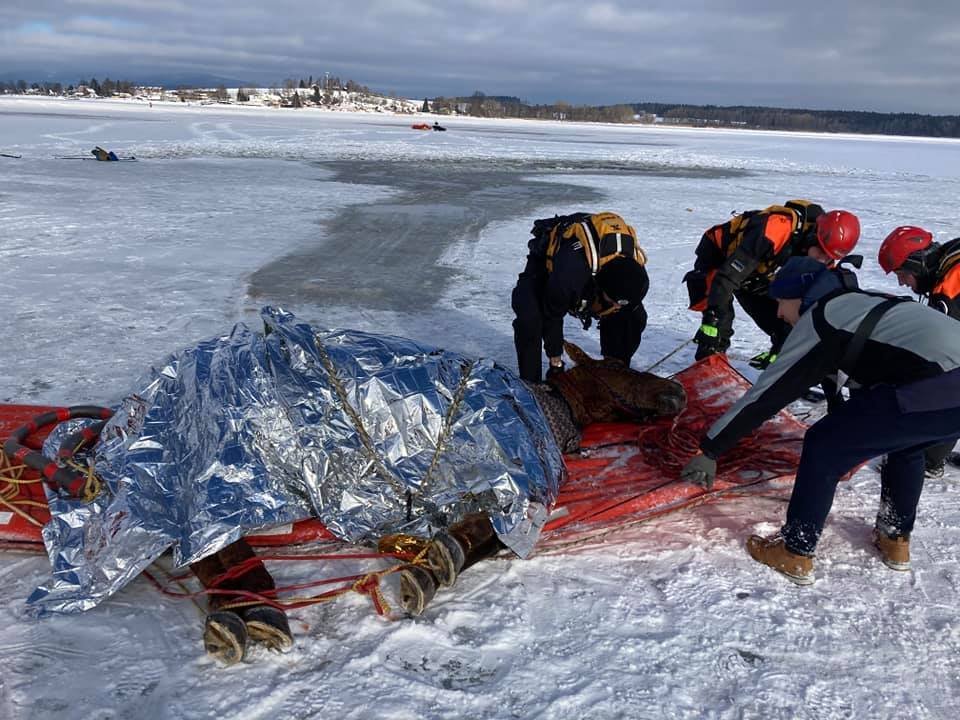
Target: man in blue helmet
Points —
{"points": [[906, 359]]}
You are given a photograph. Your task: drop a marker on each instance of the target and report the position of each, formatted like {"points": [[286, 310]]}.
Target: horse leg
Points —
{"points": [[224, 633], [260, 622], [265, 623], [447, 555]]}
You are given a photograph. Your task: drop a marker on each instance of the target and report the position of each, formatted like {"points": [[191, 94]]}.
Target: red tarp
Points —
{"points": [[624, 473]]}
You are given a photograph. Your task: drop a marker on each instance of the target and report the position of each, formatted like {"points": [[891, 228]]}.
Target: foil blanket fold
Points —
{"points": [[372, 434]]}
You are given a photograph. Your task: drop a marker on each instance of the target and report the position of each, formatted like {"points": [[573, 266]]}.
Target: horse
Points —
{"points": [[591, 391]]}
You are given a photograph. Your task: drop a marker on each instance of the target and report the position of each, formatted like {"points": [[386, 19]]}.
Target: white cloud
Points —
{"points": [[610, 17]]}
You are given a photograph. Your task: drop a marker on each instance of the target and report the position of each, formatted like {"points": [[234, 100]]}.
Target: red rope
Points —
{"points": [[363, 583], [671, 446]]}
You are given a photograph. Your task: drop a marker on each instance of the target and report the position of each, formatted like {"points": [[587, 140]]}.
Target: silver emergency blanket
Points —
{"points": [[369, 433]]}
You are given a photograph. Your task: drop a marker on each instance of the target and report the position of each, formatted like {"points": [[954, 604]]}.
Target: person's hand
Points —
{"points": [[761, 361], [701, 470], [708, 336], [555, 370]]}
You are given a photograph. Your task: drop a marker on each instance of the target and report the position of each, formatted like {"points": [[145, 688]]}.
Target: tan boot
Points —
{"points": [[894, 551], [773, 552]]}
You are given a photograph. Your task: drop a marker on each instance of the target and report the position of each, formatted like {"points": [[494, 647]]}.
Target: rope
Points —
{"points": [[12, 477], [669, 355], [367, 442], [466, 370], [708, 496], [673, 446], [367, 584], [371, 452]]}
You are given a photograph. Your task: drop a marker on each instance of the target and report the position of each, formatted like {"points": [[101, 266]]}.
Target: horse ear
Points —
{"points": [[576, 354]]}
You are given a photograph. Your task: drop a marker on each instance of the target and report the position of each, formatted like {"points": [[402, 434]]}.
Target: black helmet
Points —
{"points": [[624, 281]]}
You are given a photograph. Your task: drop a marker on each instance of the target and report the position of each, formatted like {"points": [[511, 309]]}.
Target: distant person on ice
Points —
{"points": [[905, 357], [586, 265], [737, 259], [104, 155], [932, 271]]}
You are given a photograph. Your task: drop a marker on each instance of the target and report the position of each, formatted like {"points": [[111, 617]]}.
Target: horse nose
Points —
{"points": [[672, 402]]}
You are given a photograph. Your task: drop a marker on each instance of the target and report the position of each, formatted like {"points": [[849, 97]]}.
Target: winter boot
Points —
{"points": [[225, 637], [894, 550], [268, 625], [773, 552], [934, 468], [418, 585]]}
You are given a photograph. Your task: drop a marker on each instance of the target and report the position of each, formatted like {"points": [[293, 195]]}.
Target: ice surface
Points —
{"points": [[356, 220]]}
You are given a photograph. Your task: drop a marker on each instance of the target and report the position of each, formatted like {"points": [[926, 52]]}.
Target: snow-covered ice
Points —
{"points": [[356, 220]]}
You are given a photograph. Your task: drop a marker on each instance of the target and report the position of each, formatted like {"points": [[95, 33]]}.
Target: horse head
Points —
{"points": [[609, 391]]}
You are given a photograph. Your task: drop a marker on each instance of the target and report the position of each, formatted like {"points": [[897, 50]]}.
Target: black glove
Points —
{"points": [[701, 470], [708, 336], [761, 361], [585, 318], [555, 370]]}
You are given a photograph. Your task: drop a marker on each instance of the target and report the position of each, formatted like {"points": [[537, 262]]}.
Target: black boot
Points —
{"points": [[225, 637]]}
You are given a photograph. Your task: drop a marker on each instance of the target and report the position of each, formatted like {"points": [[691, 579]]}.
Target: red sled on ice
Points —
{"points": [[623, 474]]}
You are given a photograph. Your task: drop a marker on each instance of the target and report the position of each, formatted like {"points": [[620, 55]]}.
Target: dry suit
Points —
{"points": [[543, 297], [737, 259]]}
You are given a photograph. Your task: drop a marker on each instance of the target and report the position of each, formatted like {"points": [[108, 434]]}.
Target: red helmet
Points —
{"points": [[900, 245], [837, 233]]}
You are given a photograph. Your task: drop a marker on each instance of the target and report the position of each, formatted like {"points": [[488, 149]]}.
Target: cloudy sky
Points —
{"points": [[887, 55]]}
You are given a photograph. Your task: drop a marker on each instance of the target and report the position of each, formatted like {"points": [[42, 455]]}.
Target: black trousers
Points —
{"points": [[877, 421], [620, 333]]}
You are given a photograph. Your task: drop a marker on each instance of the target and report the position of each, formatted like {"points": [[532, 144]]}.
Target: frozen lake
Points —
{"points": [[358, 221]]}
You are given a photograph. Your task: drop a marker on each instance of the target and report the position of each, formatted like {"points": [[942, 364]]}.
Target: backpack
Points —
{"points": [[603, 237]]}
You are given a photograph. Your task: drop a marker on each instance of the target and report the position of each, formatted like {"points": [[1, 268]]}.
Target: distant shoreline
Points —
{"points": [[11, 104]]}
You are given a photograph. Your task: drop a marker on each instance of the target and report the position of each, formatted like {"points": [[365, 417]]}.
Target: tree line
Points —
{"points": [[839, 121], [740, 116], [107, 88], [481, 105], [320, 91]]}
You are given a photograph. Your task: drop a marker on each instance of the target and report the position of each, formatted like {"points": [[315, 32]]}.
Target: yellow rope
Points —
{"points": [[21, 513], [12, 475]]}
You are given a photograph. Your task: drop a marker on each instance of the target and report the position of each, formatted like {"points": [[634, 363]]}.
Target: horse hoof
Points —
{"points": [[445, 558], [268, 625], [225, 637], [418, 585]]}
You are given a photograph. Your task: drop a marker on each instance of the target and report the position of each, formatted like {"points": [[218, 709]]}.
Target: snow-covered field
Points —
{"points": [[357, 220]]}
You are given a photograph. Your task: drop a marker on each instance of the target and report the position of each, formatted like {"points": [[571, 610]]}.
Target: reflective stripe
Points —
{"points": [[619, 244], [709, 330], [591, 249]]}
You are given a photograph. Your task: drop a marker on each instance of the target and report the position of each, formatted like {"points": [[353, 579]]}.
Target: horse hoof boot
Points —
{"points": [[268, 625], [445, 558], [418, 585], [225, 637]]}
